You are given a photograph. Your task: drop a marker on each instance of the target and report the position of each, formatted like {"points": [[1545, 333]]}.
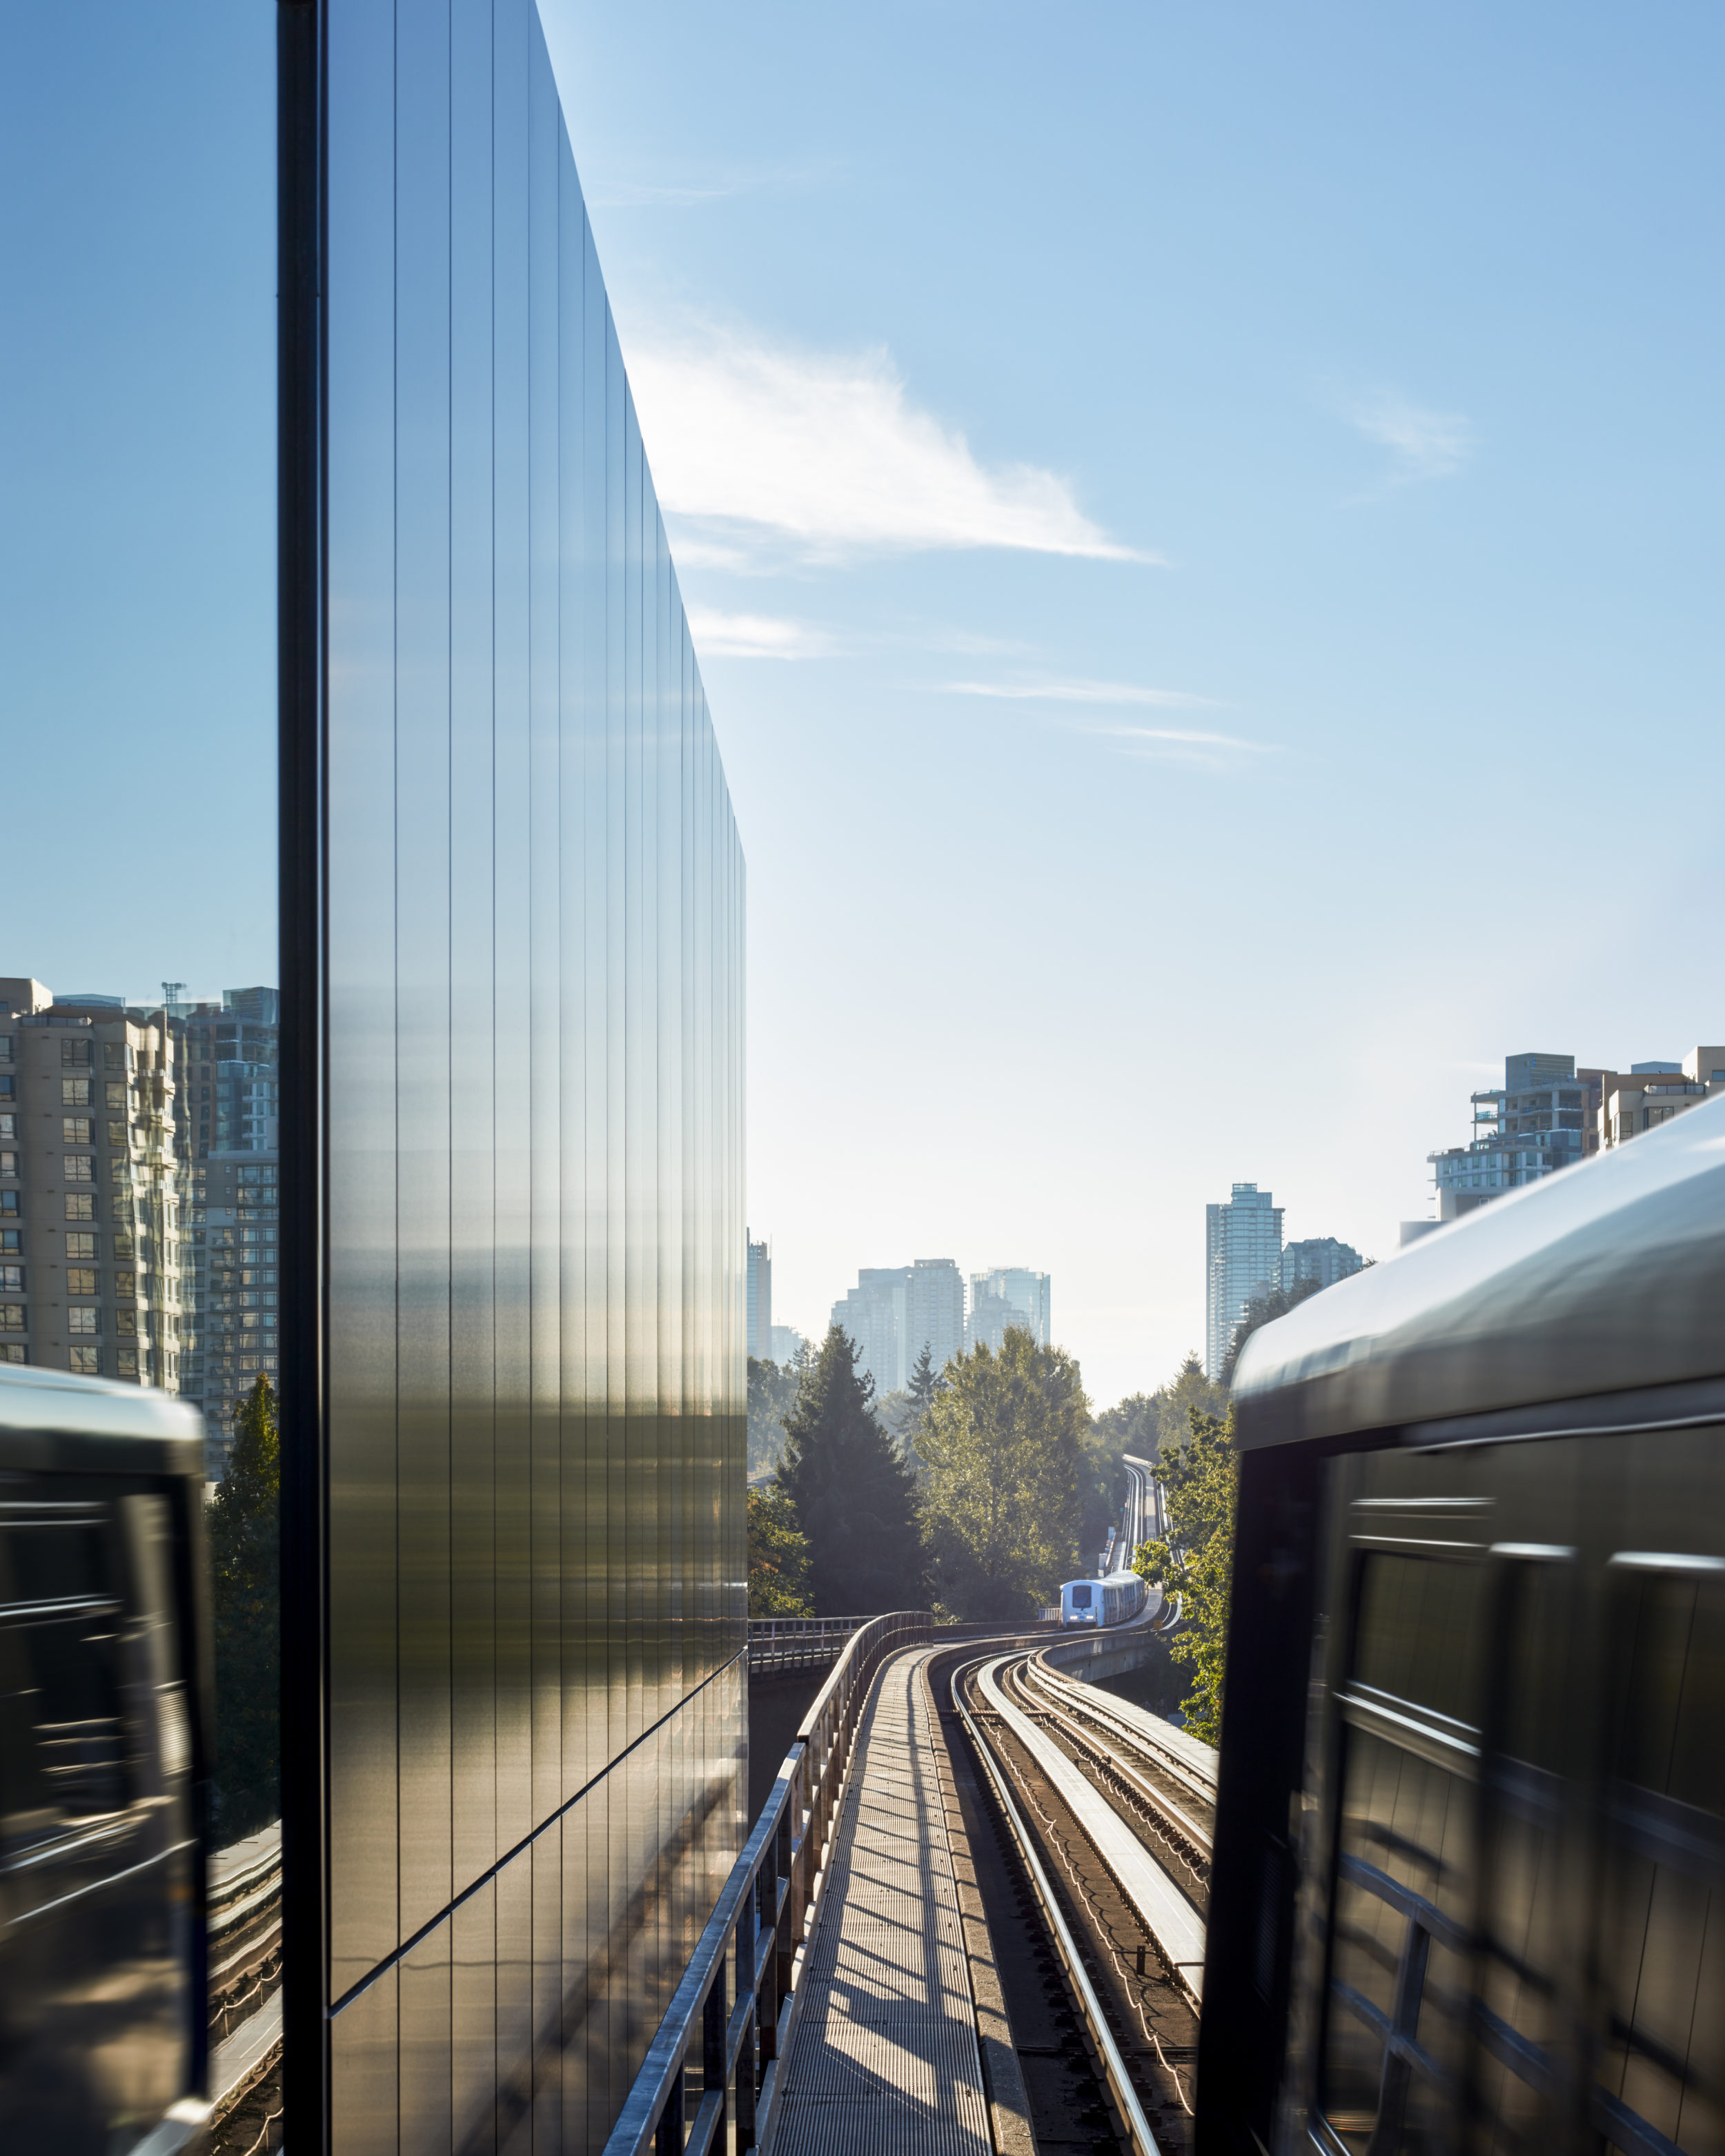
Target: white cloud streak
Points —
{"points": [[758, 636], [1423, 444], [1197, 751], [827, 452], [1078, 692]]}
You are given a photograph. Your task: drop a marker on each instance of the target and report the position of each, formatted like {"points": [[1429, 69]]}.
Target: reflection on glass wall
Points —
{"points": [[139, 1342], [535, 1415]]}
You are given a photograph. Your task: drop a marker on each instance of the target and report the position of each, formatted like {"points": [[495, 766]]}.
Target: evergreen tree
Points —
{"points": [[926, 1382], [778, 1557], [245, 1568], [853, 1494], [1002, 1448]]}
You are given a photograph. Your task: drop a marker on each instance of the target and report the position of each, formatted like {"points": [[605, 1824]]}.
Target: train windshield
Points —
{"points": [[1081, 1595]]}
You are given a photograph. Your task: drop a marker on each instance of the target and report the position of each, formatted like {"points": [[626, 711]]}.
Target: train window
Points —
{"points": [[1660, 1954], [65, 1733], [1527, 1782], [1396, 2022], [1081, 1595]]}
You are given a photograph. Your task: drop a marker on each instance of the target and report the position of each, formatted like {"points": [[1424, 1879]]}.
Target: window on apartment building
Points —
{"points": [[80, 1167], [12, 1280], [74, 1052], [8, 1086], [8, 1163], [126, 1321], [85, 1361], [113, 1056], [13, 1351], [81, 1280], [126, 1363], [80, 1205], [9, 1127], [81, 1246], [74, 1092], [122, 1242], [8, 1201], [11, 1317], [115, 1094], [6, 1046], [82, 1318], [116, 1134], [75, 1130], [126, 1283], [8, 1238]]}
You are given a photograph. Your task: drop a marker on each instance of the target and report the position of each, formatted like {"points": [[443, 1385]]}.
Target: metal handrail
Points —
{"points": [[747, 1953], [782, 1643]]}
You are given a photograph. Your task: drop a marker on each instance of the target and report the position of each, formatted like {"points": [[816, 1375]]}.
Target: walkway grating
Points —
{"points": [[885, 2055]]}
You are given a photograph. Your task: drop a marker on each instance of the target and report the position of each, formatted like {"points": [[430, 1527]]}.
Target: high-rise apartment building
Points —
{"points": [[1319, 1257], [934, 1313], [1010, 1295], [1650, 1094], [757, 1300], [874, 1314], [785, 1343], [1543, 1116], [233, 1117], [1242, 1258], [92, 1153]]}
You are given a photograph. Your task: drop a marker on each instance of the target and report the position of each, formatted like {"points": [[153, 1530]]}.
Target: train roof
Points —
{"points": [[1606, 1278], [49, 1419]]}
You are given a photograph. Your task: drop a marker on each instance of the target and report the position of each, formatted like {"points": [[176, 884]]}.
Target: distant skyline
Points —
{"points": [[1200, 528]]}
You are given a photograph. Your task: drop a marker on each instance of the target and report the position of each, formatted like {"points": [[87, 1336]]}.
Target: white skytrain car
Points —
{"points": [[1115, 1600]]}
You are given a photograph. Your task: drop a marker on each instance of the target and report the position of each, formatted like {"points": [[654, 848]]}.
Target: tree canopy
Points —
{"points": [[778, 1557], [1196, 1562], [853, 1491], [1002, 1451], [245, 1574], [773, 1391]]}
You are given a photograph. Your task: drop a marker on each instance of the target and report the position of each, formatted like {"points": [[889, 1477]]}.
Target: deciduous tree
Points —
{"points": [[1002, 1446], [1196, 1562], [778, 1557]]}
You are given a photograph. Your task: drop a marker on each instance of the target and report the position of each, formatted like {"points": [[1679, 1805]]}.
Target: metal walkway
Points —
{"points": [[884, 2056]]}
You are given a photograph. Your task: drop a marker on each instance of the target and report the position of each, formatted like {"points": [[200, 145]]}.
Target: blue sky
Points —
{"points": [[1199, 527], [1339, 708]]}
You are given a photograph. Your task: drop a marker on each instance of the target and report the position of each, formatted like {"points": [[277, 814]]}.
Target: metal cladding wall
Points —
{"points": [[515, 1736]]}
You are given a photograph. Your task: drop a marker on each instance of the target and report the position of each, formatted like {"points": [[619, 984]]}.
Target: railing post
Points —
{"points": [[713, 2019]]}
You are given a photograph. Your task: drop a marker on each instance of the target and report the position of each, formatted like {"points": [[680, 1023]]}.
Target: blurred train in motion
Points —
{"points": [[103, 1730], [1469, 1883], [1114, 1599]]}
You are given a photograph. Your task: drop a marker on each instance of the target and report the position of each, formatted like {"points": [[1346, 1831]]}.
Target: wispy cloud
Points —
{"points": [[1078, 692], [827, 453], [1197, 748], [617, 192], [1422, 443], [1197, 751], [758, 636]]}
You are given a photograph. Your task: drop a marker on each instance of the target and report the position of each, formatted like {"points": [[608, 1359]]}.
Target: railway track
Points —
{"points": [[1105, 1832]]}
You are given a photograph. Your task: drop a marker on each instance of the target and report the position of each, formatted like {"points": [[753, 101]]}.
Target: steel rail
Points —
{"points": [[761, 1927], [1192, 1842], [1076, 1715], [1163, 1907], [1120, 2082]]}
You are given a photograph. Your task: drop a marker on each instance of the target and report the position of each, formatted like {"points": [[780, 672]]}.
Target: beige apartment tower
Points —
{"points": [[91, 1148]]}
